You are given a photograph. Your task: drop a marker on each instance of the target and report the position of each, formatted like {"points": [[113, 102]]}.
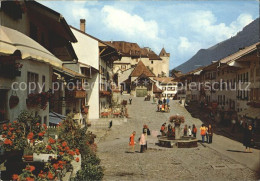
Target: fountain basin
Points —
{"points": [[183, 142]]}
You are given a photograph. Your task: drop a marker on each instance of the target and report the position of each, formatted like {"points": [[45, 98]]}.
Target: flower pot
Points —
{"points": [[42, 157], [28, 157]]}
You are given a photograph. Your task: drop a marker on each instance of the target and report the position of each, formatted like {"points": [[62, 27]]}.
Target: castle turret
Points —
{"points": [[165, 61]]}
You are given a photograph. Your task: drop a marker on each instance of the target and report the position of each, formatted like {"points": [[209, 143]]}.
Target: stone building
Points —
{"points": [[132, 54]]}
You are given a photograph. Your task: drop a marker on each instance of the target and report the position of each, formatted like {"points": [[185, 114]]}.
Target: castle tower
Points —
{"points": [[165, 61]]}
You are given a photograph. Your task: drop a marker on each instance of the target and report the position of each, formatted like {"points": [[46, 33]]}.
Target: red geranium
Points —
{"points": [[9, 133], [30, 168], [38, 124], [48, 147], [77, 151], [56, 166], [61, 153], [3, 135], [15, 177], [11, 129], [41, 174], [50, 175], [77, 159], [51, 141], [71, 152], [41, 134], [64, 143], [44, 125], [67, 148], [30, 136], [29, 179], [8, 142]]}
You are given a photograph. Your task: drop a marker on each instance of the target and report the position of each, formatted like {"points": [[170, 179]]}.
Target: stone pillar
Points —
{"points": [[177, 131]]}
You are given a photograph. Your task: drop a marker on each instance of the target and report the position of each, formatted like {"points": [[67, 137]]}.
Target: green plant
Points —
{"points": [[89, 171], [28, 150]]}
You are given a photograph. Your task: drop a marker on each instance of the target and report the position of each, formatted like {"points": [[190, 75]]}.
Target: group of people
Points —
{"points": [[163, 104], [142, 140], [170, 130], [206, 132]]}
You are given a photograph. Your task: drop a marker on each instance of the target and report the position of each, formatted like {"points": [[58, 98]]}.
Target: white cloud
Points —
{"points": [[129, 25], [204, 23], [187, 46]]}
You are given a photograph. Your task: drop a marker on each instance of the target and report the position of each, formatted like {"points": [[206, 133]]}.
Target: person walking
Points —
{"points": [[145, 131], [168, 101], [203, 132], [210, 133], [194, 131], [132, 142], [248, 138], [185, 130], [189, 131], [207, 135], [130, 100], [142, 142]]}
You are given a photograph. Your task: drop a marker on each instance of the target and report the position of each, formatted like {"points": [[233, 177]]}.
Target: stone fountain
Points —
{"points": [[177, 139]]}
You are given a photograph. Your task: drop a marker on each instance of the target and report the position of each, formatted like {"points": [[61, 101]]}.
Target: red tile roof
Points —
{"points": [[156, 89], [141, 69]]}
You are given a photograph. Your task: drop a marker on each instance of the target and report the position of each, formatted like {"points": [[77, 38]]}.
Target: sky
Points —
{"points": [[181, 27]]}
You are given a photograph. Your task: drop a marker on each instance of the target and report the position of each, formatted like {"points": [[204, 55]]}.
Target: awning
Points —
{"points": [[56, 118], [251, 113], [69, 73], [12, 40]]}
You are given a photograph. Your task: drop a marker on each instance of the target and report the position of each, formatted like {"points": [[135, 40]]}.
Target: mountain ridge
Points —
{"points": [[246, 37]]}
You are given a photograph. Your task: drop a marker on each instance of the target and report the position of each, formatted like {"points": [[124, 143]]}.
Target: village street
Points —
{"points": [[205, 162]]}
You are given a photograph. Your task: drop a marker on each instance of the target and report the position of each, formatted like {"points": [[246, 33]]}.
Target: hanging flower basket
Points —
{"points": [[13, 101], [38, 100]]}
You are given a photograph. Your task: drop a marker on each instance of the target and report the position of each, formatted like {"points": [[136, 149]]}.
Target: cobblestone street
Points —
{"points": [[157, 163]]}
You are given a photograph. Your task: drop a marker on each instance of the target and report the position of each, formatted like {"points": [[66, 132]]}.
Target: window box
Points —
{"points": [[38, 100]]}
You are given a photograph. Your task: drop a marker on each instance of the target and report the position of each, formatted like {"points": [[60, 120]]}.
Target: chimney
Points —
{"points": [[82, 25]]}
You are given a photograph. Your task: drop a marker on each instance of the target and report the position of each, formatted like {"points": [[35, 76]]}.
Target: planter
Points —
{"points": [[28, 158], [13, 101], [43, 157]]}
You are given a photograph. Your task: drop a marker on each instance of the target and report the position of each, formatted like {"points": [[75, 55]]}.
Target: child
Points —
{"points": [[189, 131], [132, 142]]}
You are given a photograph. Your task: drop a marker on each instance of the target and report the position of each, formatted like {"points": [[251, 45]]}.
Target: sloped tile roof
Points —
{"points": [[141, 69]]}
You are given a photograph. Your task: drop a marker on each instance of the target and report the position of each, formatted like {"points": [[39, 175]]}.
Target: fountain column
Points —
{"points": [[177, 131]]}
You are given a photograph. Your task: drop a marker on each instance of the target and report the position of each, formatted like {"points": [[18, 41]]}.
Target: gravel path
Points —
{"points": [[159, 163]]}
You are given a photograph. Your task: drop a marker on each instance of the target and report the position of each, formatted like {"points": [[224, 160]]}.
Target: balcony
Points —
{"points": [[75, 94], [104, 93]]}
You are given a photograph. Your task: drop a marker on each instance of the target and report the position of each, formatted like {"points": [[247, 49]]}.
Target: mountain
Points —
{"points": [[248, 36]]}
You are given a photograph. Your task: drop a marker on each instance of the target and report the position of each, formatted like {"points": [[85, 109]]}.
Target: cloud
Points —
{"points": [[187, 46], [205, 24], [130, 25]]}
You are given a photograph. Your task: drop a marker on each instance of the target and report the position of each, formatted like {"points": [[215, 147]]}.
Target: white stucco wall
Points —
{"points": [[86, 48], [28, 66], [87, 51]]}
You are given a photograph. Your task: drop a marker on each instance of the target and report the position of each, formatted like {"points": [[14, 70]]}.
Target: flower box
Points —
{"points": [[43, 157], [28, 158]]}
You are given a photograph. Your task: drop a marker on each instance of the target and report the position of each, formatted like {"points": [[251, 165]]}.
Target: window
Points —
{"points": [[224, 99], [151, 62], [32, 82]]}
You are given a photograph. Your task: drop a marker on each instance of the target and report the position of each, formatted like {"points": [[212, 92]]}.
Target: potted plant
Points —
{"points": [[28, 153]]}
